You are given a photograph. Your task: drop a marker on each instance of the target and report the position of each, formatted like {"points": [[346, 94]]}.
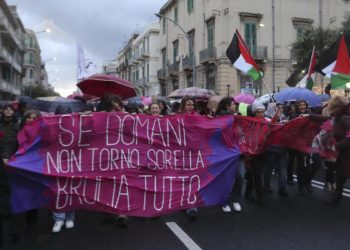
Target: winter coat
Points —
{"points": [[8, 146]]}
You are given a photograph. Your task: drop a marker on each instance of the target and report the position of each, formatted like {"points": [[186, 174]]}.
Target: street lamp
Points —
{"points": [[49, 59], [190, 45], [43, 31]]}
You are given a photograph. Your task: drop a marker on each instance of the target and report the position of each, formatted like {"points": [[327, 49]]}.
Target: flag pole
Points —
{"points": [[267, 90]]}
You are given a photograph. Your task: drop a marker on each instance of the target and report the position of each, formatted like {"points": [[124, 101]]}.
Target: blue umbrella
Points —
{"points": [[50, 104], [298, 94], [134, 102]]}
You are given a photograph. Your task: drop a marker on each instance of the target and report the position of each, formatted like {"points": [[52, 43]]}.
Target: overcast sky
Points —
{"points": [[101, 27]]}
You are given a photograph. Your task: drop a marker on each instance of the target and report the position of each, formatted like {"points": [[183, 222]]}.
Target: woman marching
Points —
{"points": [[227, 106]]}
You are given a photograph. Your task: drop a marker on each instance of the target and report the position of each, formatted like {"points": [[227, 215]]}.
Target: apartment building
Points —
{"points": [[11, 51], [139, 61], [268, 27], [32, 60]]}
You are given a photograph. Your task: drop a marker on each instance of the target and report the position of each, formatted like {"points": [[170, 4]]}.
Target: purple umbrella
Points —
{"points": [[193, 92], [244, 98]]}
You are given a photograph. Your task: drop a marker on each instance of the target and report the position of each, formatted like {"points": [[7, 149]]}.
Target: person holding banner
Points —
{"points": [[339, 108], [275, 156], [188, 107], [256, 164], [228, 106], [155, 109], [29, 116], [8, 146], [67, 218], [303, 159]]}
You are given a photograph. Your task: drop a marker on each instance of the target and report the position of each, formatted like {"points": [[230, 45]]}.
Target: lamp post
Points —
{"points": [[189, 43], [43, 31], [49, 59]]}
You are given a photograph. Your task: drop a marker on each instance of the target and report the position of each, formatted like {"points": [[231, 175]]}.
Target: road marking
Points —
{"points": [[183, 237], [320, 185]]}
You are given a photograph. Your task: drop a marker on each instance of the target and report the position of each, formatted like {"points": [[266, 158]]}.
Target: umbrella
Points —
{"points": [[49, 104], [195, 92], [298, 94], [264, 98], [244, 98], [324, 97], [214, 101], [163, 99], [134, 102], [100, 84]]}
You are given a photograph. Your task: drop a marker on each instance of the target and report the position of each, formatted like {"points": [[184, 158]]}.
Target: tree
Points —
{"points": [[322, 39], [39, 91]]}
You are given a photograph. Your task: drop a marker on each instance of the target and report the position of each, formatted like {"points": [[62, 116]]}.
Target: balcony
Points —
{"points": [[187, 62], [10, 88], [260, 52], [207, 55], [132, 60], [6, 26], [161, 73], [139, 82], [145, 53], [173, 69], [9, 58]]}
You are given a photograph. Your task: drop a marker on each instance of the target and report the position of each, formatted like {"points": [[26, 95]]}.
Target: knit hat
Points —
{"points": [[257, 106]]}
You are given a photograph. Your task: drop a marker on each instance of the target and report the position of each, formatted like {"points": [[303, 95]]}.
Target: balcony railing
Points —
{"points": [[9, 58], [260, 52], [139, 82], [208, 54], [173, 68], [161, 73], [6, 24], [187, 62]]}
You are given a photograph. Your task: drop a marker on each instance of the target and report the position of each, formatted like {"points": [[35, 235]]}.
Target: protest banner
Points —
{"points": [[124, 164]]}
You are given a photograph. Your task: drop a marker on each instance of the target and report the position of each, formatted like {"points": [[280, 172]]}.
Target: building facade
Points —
{"points": [[268, 27], [11, 52], [32, 64], [139, 61]]}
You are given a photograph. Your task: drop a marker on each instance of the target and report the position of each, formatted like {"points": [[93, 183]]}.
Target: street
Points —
{"points": [[296, 222]]}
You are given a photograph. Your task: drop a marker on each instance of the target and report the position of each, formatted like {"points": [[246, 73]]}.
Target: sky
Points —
{"points": [[101, 27]]}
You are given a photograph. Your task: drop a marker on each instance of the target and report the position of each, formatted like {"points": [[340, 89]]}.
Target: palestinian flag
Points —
{"points": [[308, 80], [304, 77], [327, 61], [341, 71], [240, 57]]}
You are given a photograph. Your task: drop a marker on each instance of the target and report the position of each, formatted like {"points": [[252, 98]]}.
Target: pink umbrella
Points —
{"points": [[195, 92], [244, 98]]}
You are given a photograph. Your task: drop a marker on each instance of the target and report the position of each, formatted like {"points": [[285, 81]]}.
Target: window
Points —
{"points": [[31, 58], [191, 42], [164, 57], [175, 50], [31, 74], [176, 14], [250, 36], [211, 33], [164, 25], [147, 73], [301, 25], [189, 6]]}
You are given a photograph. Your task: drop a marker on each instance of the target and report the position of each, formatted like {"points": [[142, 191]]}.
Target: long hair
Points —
{"points": [[337, 102], [109, 102], [223, 104], [183, 103]]}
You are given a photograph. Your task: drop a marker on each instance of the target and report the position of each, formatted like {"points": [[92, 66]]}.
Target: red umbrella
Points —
{"points": [[100, 84], [195, 92]]}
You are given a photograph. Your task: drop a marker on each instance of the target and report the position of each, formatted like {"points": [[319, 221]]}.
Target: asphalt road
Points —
{"points": [[296, 222]]}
